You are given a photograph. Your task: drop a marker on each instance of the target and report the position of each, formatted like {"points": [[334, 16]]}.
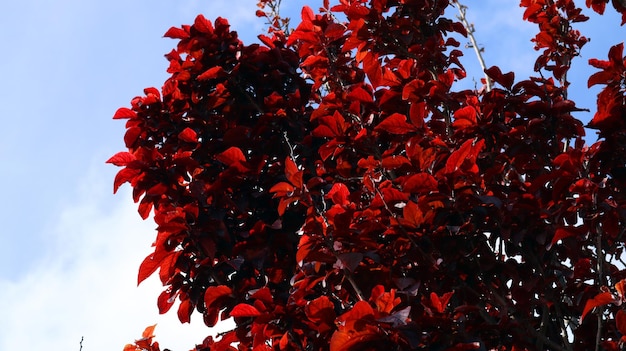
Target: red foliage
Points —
{"points": [[329, 189]]}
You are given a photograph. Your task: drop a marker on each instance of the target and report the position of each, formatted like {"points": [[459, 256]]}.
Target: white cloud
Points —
{"points": [[86, 284]]}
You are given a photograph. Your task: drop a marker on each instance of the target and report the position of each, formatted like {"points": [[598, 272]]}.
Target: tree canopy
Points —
{"points": [[330, 188]]}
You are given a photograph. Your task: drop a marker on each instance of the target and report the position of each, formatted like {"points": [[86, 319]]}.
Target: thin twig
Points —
{"points": [[470, 33], [81, 343], [601, 281]]}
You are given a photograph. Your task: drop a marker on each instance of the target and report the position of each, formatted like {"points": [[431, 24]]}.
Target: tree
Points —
{"points": [[331, 189]]}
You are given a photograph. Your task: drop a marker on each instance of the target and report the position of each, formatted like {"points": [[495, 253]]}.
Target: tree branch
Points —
{"points": [[470, 33]]}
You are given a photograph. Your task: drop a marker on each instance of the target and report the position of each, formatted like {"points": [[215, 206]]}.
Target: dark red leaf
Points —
{"points": [[506, 80], [420, 183], [184, 311], [321, 311], [564, 232], [166, 300], [620, 321], [412, 215], [349, 260], [131, 136], [214, 296], [145, 206]]}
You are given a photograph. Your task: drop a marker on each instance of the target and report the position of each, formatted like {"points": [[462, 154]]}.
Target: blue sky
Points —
{"points": [[70, 248]]}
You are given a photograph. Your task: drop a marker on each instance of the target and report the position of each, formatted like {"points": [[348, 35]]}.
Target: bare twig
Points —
{"points": [[470, 33], [81, 343], [601, 281]]}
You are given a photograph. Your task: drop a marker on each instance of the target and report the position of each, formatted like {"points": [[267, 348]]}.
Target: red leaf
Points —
{"points": [[307, 14], [597, 5], [465, 117], [203, 25], [385, 301], [214, 293], [294, 176], [153, 91], [609, 109], [166, 300], [349, 337], [176, 33], [284, 341], [395, 124], [264, 38], [125, 175], [440, 302], [417, 113], [360, 94], [212, 73], [506, 80], [282, 188], [244, 310], [360, 311], [340, 194], [148, 332], [131, 136], [334, 31], [395, 161], [566, 232], [150, 264], [121, 159], [321, 311], [231, 156], [465, 153], [124, 113], [214, 297], [184, 311], [330, 126], [601, 299], [188, 135], [145, 206]]}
